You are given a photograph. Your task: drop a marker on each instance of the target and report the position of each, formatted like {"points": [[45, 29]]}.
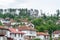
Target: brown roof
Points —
{"points": [[26, 28], [56, 32], [42, 33]]}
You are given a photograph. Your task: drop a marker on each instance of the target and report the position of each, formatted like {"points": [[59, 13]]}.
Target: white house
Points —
{"points": [[3, 33], [15, 34], [30, 32], [42, 36], [56, 35], [3, 38], [26, 22], [4, 21], [11, 33]]}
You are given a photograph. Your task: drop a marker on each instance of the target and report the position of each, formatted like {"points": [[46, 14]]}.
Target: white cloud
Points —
{"points": [[45, 5], [5, 3]]}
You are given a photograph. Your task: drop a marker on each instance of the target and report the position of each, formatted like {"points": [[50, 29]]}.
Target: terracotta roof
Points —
{"points": [[42, 33], [12, 30], [56, 32], [26, 28]]}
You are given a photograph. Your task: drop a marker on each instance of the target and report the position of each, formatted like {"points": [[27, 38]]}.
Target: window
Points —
{"points": [[15, 35], [29, 36], [18, 35], [31, 32]]}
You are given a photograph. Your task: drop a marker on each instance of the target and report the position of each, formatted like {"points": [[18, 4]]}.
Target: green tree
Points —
{"points": [[37, 21], [8, 15], [58, 12], [23, 13], [0, 23], [1, 15]]}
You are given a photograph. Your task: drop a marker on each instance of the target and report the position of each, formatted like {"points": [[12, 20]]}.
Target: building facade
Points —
{"points": [[43, 36], [30, 33]]}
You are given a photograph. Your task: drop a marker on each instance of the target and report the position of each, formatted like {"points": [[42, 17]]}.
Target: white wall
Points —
{"points": [[40, 36], [3, 21], [17, 37], [29, 33], [3, 38], [8, 33], [55, 35]]}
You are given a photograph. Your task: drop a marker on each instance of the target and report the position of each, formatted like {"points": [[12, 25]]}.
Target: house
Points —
{"points": [[3, 33], [26, 22], [15, 34], [56, 35], [13, 22], [30, 33], [5, 21], [42, 36], [3, 30], [11, 34], [2, 37]]}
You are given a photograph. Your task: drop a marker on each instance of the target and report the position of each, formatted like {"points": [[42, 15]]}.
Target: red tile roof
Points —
{"points": [[56, 32], [26, 28], [42, 33], [12, 30]]}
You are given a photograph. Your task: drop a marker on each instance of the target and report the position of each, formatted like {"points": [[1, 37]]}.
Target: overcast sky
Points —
{"points": [[46, 5]]}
